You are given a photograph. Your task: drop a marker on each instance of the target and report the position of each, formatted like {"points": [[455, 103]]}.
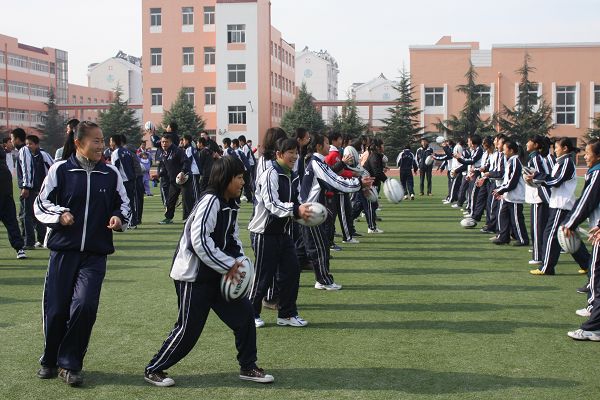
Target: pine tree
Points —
{"points": [[183, 112], [53, 126], [468, 121], [120, 119], [402, 125], [303, 114], [531, 115], [594, 133], [350, 122]]}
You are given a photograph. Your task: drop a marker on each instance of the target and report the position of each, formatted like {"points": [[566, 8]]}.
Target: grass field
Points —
{"points": [[428, 311]]}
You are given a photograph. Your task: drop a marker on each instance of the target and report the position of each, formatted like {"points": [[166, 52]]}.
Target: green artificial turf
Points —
{"points": [[428, 310]]}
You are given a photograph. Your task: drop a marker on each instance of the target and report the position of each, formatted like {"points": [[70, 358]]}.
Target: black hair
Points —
{"points": [[173, 126], [222, 173], [227, 142], [188, 138], [595, 143], [542, 144], [167, 136], [462, 142], [202, 141], [512, 146], [242, 138], [488, 142], [6, 139], [315, 140], [357, 144], [123, 139], [425, 139], [568, 143], [284, 145], [72, 123], [236, 142], [334, 135], [83, 129], [270, 142], [407, 146], [19, 133], [475, 139], [501, 136], [117, 139], [300, 133], [33, 138], [451, 143]]}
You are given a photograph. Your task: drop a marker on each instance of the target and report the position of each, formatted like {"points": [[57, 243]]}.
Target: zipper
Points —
{"points": [[87, 207], [227, 230]]}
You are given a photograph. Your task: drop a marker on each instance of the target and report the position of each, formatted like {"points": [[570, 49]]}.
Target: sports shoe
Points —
{"points": [[351, 241], [445, 202], [580, 334], [405, 197], [258, 322], [583, 312], [38, 245], [485, 229], [292, 321], [71, 378], [335, 247], [467, 213], [376, 230], [455, 205], [582, 271], [356, 234], [535, 262], [539, 272], [21, 255], [584, 289], [429, 194], [412, 196], [47, 372], [256, 375], [243, 198], [333, 286], [158, 378], [499, 242], [166, 221], [493, 238], [530, 250]]}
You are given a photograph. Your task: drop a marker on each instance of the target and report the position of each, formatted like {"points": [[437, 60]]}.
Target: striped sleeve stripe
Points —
{"points": [[203, 233], [582, 202]]}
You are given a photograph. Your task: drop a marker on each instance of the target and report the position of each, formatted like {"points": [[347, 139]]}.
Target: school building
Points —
{"points": [[566, 75], [235, 67]]}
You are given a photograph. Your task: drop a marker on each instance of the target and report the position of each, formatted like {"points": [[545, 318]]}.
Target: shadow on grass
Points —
{"points": [[9, 300], [411, 271], [39, 281], [460, 288], [407, 380], [423, 307], [5, 325]]}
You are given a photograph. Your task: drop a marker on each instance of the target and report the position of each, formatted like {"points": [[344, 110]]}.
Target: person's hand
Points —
{"points": [[567, 232], [594, 235], [528, 178], [66, 219], [348, 159], [115, 223], [456, 156], [479, 182], [367, 181], [24, 193], [233, 274], [305, 212]]}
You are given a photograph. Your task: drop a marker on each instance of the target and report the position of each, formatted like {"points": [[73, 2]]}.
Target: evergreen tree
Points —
{"points": [[402, 125], [594, 133], [53, 128], [349, 122], [468, 121], [120, 119], [303, 114], [183, 112], [531, 115]]}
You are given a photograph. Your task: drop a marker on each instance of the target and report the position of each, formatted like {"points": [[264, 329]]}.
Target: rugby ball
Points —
{"points": [[569, 244], [149, 126], [351, 151], [232, 291], [393, 191], [439, 139], [429, 160], [181, 178], [319, 215], [372, 194], [468, 223]]}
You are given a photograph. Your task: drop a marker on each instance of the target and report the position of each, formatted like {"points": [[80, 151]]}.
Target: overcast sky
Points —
{"points": [[366, 37]]}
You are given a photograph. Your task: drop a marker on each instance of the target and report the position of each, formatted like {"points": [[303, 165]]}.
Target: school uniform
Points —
{"points": [[463, 169], [123, 160], [425, 170], [407, 165], [496, 175], [538, 198], [164, 180], [139, 187], [208, 248], [249, 176], [446, 160], [563, 182], [78, 252], [175, 161], [340, 202], [510, 216], [191, 191], [593, 322], [480, 194], [8, 211], [271, 227], [318, 178], [473, 162]]}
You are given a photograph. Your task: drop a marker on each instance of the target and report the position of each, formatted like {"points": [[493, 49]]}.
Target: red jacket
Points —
{"points": [[334, 160]]}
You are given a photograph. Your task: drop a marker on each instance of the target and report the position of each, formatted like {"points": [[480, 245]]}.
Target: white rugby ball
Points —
{"points": [[468, 223], [231, 291], [372, 194], [393, 190], [181, 178], [439, 139], [429, 160], [319, 215], [569, 244]]}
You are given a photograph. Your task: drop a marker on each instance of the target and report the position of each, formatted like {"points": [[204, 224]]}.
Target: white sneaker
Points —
{"points": [[405, 197], [379, 209], [259, 323], [583, 312], [580, 334], [455, 205], [333, 286], [445, 201], [351, 241], [39, 245], [243, 198], [412, 196], [493, 238], [530, 250], [21, 255], [376, 230], [292, 321], [535, 262]]}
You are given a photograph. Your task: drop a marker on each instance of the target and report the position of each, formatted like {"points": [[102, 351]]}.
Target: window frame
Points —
{"points": [[434, 93], [188, 56], [156, 94], [236, 33], [210, 95], [209, 15], [155, 16], [237, 72], [210, 54], [237, 115], [187, 16], [156, 57], [564, 111]]}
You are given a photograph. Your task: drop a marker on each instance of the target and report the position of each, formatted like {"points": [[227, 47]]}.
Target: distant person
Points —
{"points": [[173, 130], [146, 165], [8, 211], [123, 160], [70, 127], [176, 165], [8, 147], [211, 144], [204, 159], [424, 170], [408, 165]]}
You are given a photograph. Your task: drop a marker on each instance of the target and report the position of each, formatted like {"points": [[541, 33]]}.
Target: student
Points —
{"points": [[563, 182], [82, 201], [209, 248], [176, 165], [173, 130], [8, 211], [138, 194], [191, 189], [473, 162], [318, 178], [122, 159], [408, 165], [204, 159], [424, 170], [360, 201], [495, 173], [250, 167], [446, 159], [275, 209], [235, 145], [272, 136], [71, 127], [537, 197], [512, 192], [211, 144], [7, 151], [146, 166], [376, 169], [482, 183]]}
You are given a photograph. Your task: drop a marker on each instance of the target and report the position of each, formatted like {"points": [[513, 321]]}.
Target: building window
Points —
{"points": [[156, 56], [565, 105], [2, 87], [18, 87], [2, 59], [74, 99], [597, 95], [39, 65], [39, 91], [17, 115], [95, 100], [17, 61], [156, 96], [209, 15], [187, 14], [188, 56], [155, 17], [237, 115], [80, 99], [434, 97], [236, 33], [236, 73], [533, 94], [37, 117], [189, 94], [485, 94], [209, 55], [210, 96]]}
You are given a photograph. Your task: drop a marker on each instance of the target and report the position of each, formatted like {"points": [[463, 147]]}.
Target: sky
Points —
{"points": [[367, 38]]}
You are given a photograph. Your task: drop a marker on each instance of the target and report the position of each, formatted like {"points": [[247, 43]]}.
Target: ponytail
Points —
{"points": [[69, 146], [83, 129]]}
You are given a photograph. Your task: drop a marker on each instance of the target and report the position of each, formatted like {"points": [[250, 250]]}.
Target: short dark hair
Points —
{"points": [[425, 139], [475, 139], [6, 139], [117, 139], [242, 138], [188, 138], [72, 123], [511, 145], [167, 136], [222, 173], [202, 141], [19, 133], [124, 139], [227, 141], [236, 142], [173, 126], [334, 135], [33, 138], [595, 143], [270, 142], [300, 133], [284, 145]]}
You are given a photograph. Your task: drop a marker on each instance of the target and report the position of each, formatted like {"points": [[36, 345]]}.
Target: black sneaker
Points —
{"points": [[356, 234], [520, 244], [47, 372], [256, 375], [584, 289], [158, 378], [499, 242], [71, 378]]}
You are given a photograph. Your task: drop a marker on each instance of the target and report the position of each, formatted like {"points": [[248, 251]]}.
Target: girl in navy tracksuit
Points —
{"points": [[317, 179], [407, 164], [82, 200], [209, 248], [563, 181], [276, 206]]}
